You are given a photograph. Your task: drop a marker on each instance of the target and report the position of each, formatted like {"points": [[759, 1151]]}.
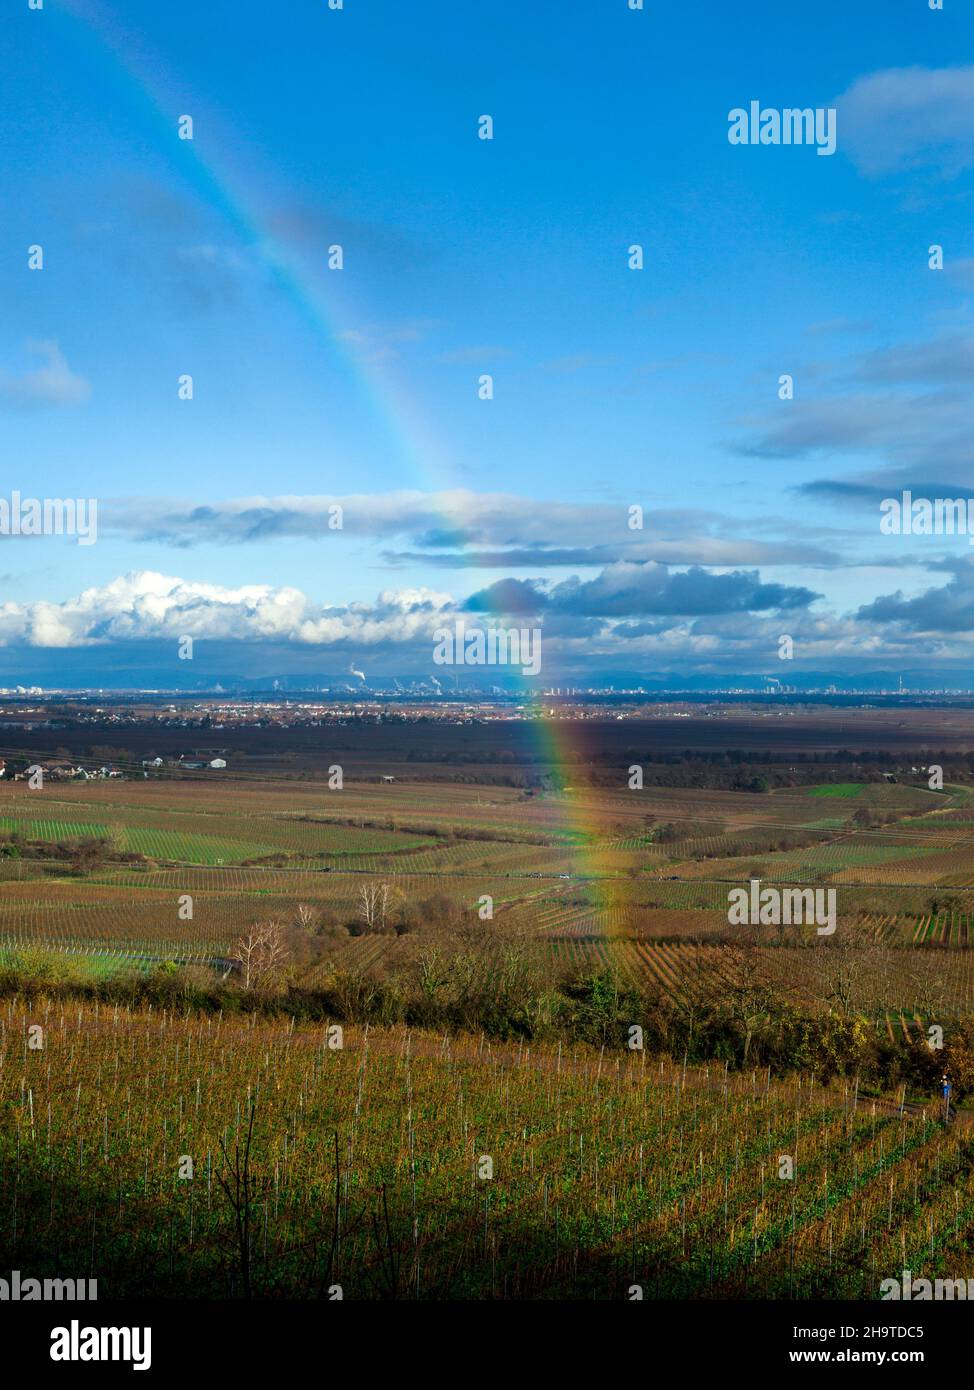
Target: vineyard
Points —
{"points": [[415, 1166], [587, 880]]}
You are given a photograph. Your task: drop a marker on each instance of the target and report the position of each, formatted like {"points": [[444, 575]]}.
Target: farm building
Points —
{"points": [[61, 770]]}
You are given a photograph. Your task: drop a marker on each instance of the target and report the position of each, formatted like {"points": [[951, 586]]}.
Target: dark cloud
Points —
{"points": [[698, 549], [509, 532], [571, 625], [508, 596], [628, 589], [942, 360], [853, 422], [909, 402], [948, 609], [525, 557], [628, 632], [836, 490]]}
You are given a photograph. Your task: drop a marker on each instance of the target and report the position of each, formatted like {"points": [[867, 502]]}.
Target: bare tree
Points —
{"points": [[306, 916], [375, 903], [930, 984], [749, 998], [368, 904], [852, 970], [432, 973], [237, 1185], [261, 954]]}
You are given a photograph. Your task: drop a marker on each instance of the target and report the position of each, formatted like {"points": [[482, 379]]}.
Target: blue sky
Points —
{"points": [[612, 387]]}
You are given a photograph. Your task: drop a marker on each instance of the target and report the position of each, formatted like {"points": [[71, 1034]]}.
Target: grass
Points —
{"points": [[838, 789]]}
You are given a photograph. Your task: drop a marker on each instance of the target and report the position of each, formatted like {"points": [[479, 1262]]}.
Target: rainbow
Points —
{"points": [[325, 303]]}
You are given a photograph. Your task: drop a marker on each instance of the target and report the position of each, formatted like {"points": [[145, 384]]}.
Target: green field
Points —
{"points": [[838, 789]]}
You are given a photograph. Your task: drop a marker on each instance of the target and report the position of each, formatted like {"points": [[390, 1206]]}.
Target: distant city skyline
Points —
{"points": [[336, 372]]}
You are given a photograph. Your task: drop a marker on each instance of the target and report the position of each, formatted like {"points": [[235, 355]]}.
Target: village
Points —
{"points": [[66, 770]]}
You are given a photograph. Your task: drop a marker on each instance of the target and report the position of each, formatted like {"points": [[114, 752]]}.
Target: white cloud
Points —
{"points": [[54, 383], [907, 118], [380, 341], [145, 605]]}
